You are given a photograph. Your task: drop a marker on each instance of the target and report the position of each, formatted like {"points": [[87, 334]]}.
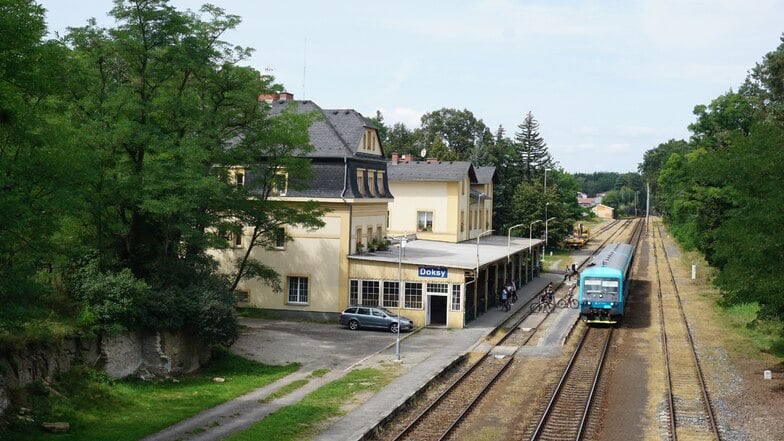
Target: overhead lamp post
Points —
{"points": [[509, 243], [476, 274], [545, 232], [400, 249], [530, 239], [545, 205]]}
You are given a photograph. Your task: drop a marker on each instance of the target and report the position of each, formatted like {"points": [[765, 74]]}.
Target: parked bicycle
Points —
{"points": [[568, 301], [542, 306], [545, 303]]}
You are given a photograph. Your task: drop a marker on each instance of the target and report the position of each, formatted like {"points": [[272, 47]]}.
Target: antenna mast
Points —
{"points": [[304, 66]]}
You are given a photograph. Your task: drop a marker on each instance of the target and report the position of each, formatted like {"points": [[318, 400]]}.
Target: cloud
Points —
{"points": [[587, 131], [618, 148], [633, 131], [410, 117]]}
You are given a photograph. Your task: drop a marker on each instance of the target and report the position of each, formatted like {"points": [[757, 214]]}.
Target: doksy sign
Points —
{"points": [[433, 271]]}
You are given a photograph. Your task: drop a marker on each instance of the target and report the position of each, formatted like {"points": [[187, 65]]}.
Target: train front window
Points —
{"points": [[600, 287]]}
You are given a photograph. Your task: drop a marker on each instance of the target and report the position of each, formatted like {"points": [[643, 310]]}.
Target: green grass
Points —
{"points": [[98, 408], [763, 335], [285, 390], [301, 420]]}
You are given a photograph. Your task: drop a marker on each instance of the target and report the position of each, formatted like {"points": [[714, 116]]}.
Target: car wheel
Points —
{"points": [[353, 325], [393, 328]]}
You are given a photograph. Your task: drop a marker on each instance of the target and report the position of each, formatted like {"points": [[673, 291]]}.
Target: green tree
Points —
{"points": [[399, 140], [37, 163], [532, 154], [459, 130], [651, 166], [165, 111]]}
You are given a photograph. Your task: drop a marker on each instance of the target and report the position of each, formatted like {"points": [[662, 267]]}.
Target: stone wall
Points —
{"points": [[147, 355]]}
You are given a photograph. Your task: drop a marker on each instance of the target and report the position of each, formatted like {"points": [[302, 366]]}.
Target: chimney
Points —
{"points": [[432, 160], [286, 96], [395, 158], [267, 97]]}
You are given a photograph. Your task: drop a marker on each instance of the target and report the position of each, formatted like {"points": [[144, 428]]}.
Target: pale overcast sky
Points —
{"points": [[606, 79]]}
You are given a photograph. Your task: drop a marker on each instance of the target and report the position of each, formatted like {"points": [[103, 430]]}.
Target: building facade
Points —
{"points": [[410, 236]]}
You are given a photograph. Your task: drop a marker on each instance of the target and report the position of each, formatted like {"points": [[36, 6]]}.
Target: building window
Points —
{"points": [[237, 239], [424, 221], [370, 236], [298, 289], [280, 238], [361, 182], [456, 297], [380, 183], [370, 292], [242, 296], [462, 187], [413, 295], [437, 288], [353, 293], [391, 294], [379, 236], [372, 182], [280, 184], [462, 221], [387, 219], [239, 179], [360, 245], [487, 219]]}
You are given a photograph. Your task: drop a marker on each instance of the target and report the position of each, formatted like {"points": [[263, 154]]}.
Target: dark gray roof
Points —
{"points": [[486, 175], [338, 134], [335, 159], [434, 171]]}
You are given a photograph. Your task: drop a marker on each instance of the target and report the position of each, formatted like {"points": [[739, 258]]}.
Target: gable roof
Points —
{"points": [[486, 175], [431, 171]]}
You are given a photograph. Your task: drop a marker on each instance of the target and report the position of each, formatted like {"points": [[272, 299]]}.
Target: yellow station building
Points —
{"points": [[400, 233]]}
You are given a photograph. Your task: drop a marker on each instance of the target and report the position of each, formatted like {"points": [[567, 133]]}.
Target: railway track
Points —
{"points": [[444, 414], [439, 419], [690, 415], [566, 415]]}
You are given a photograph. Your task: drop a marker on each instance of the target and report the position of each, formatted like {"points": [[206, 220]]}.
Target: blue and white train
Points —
{"points": [[604, 284]]}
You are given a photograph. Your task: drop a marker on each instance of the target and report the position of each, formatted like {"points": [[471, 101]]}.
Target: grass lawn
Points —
{"points": [[98, 408], [303, 419]]}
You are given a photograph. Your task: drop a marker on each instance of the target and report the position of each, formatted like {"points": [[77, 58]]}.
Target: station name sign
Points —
{"points": [[433, 271]]}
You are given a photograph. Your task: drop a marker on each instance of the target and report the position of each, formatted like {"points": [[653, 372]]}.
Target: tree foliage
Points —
{"points": [[118, 144], [720, 192]]}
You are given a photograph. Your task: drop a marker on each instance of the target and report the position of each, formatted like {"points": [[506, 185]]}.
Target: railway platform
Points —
{"points": [[423, 356]]}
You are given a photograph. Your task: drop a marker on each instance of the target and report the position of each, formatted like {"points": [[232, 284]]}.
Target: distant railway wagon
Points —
{"points": [[604, 284]]}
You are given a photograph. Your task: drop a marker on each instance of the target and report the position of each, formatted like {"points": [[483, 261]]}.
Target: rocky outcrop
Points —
{"points": [[147, 355]]}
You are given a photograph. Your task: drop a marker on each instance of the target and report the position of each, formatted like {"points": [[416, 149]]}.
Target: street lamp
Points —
{"points": [[545, 231], [400, 249], [530, 239], [509, 240], [476, 274]]}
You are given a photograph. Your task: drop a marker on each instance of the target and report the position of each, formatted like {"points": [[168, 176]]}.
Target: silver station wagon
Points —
{"points": [[356, 317]]}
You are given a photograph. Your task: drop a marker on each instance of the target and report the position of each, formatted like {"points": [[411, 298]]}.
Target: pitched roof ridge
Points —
{"points": [[335, 130]]}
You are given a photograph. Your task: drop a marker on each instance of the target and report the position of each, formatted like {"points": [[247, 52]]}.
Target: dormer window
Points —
{"points": [[361, 182], [372, 182], [280, 184]]}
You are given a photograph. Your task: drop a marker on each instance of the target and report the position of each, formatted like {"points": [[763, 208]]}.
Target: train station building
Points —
{"points": [[413, 234]]}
